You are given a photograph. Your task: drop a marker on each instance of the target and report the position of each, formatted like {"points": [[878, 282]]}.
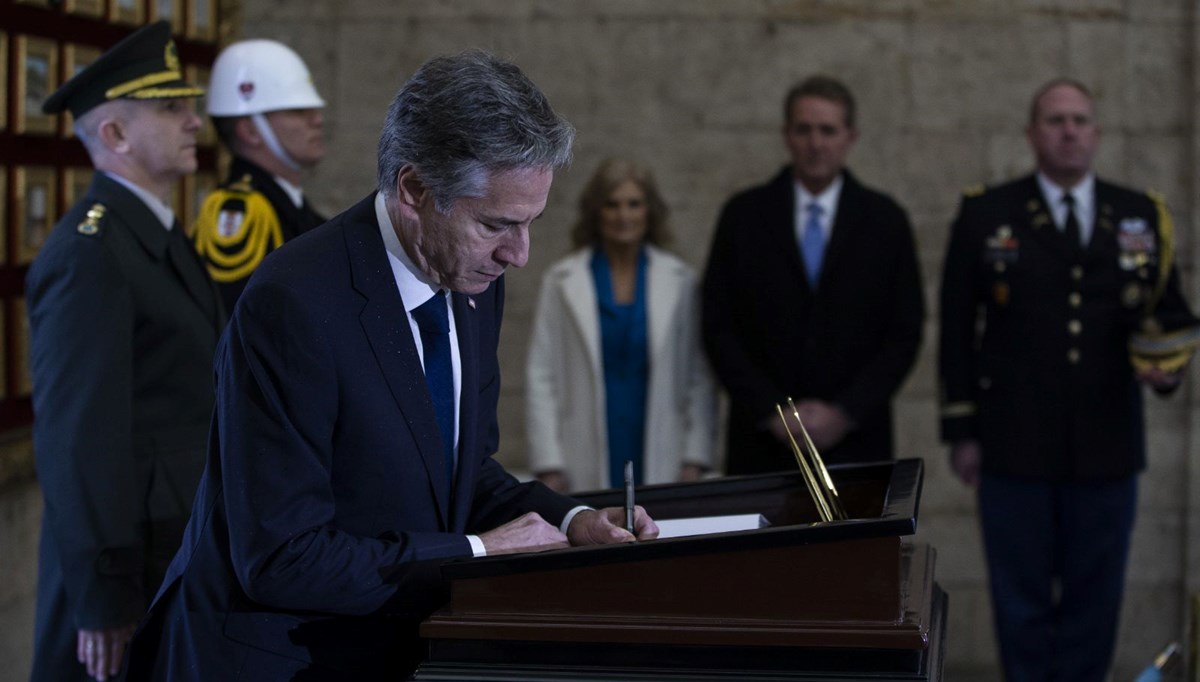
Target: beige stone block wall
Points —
{"points": [[693, 88]]}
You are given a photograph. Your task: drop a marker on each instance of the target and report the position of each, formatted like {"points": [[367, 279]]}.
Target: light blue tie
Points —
{"points": [[813, 243], [434, 322]]}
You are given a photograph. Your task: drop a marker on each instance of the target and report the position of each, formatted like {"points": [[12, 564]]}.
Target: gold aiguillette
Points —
{"points": [[812, 467]]}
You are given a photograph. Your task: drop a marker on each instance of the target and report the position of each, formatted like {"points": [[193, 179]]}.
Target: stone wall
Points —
{"points": [[693, 88]]}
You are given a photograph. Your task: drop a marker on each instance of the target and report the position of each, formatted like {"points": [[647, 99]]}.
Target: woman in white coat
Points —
{"points": [[615, 368]]}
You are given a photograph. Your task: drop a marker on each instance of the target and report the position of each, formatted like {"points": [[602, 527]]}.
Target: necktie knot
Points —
{"points": [[431, 316]]}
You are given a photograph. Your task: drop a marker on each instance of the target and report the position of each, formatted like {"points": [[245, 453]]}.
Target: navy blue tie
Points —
{"points": [[434, 322], [813, 243]]}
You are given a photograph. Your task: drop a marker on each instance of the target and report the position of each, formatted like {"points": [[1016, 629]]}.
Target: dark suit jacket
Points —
{"points": [[323, 514], [244, 177], [1048, 388], [770, 336], [122, 336]]}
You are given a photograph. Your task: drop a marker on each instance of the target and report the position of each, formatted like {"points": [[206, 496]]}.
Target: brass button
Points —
{"points": [[1073, 356], [1077, 273], [1075, 327], [1075, 299]]}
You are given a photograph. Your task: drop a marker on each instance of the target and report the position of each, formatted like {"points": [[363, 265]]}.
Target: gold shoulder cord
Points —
{"points": [[234, 257], [1166, 249]]}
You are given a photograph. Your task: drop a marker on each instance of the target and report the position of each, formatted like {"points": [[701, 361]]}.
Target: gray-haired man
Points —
{"points": [[356, 406]]}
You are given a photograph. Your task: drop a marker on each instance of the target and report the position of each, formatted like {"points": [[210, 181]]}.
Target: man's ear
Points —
{"points": [[113, 134], [245, 132], [411, 192]]}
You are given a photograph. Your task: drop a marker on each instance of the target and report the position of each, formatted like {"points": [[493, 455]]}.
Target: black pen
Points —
{"points": [[629, 496]]}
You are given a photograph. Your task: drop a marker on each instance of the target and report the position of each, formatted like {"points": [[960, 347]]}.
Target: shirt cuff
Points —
{"points": [[566, 523], [477, 548]]}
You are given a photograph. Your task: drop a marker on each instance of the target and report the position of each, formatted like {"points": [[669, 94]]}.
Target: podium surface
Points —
{"points": [[800, 599]]}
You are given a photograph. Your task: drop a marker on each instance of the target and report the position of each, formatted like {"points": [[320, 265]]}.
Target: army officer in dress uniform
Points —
{"points": [[124, 323], [1042, 405], [267, 112]]}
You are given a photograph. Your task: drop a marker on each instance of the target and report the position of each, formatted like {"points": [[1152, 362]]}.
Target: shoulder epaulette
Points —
{"points": [[975, 190], [91, 223]]}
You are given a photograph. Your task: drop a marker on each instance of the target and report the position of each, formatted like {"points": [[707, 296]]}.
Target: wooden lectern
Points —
{"points": [[798, 600]]}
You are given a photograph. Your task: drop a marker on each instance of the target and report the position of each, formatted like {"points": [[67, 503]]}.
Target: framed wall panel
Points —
{"points": [[171, 10], [3, 80], [202, 19], [207, 135], [88, 8], [37, 77], [126, 11], [3, 219], [20, 322], [35, 209], [75, 59], [75, 185]]}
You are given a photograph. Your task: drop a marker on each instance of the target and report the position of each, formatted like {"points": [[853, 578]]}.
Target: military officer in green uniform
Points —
{"points": [[267, 112], [124, 322], [1050, 282]]}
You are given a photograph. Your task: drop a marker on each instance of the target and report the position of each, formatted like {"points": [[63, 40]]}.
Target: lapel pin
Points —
{"points": [[471, 302]]}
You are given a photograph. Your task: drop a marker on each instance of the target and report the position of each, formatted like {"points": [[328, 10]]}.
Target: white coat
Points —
{"points": [[564, 389]]}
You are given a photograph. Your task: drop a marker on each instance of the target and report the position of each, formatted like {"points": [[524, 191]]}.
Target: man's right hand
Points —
{"points": [[965, 459], [528, 533]]}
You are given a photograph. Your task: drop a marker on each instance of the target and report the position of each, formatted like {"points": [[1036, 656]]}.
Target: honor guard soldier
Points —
{"points": [[1050, 283], [124, 322], [267, 112]]}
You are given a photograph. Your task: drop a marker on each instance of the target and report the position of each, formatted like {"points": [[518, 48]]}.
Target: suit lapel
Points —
{"points": [[779, 217], [847, 225], [385, 324]]}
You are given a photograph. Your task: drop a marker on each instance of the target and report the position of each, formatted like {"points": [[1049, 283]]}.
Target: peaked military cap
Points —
{"points": [[142, 66]]}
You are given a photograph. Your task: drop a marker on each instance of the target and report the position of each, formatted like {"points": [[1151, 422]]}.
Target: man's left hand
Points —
{"points": [[102, 651], [826, 423], [606, 526]]}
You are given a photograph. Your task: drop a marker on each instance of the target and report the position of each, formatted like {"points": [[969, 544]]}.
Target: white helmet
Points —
{"points": [[257, 76]]}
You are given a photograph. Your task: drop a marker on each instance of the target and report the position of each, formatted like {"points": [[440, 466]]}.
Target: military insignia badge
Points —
{"points": [[229, 223], [1137, 243], [1002, 247], [91, 222]]}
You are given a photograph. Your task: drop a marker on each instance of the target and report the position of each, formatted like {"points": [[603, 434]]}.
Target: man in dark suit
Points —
{"points": [[357, 385], [1048, 281], [268, 114], [123, 322], [813, 292]]}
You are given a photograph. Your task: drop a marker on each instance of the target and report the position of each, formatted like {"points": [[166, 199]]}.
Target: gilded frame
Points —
{"points": [[88, 8], [126, 11], [37, 77], [21, 348], [171, 10], [3, 80], [36, 207], [75, 59], [76, 180], [202, 19]]}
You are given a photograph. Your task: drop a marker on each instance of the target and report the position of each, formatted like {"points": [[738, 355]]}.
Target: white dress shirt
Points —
{"points": [[1085, 204], [827, 200]]}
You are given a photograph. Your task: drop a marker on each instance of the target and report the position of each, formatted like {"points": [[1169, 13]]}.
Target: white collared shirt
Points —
{"points": [[292, 191], [827, 200], [157, 206], [1085, 204]]}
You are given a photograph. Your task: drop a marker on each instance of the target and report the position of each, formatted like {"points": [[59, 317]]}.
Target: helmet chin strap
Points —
{"points": [[268, 136]]}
